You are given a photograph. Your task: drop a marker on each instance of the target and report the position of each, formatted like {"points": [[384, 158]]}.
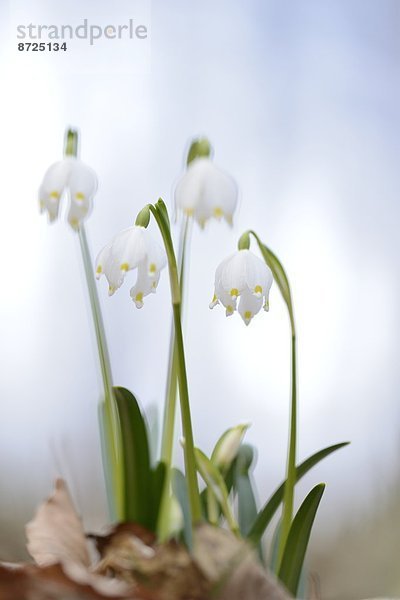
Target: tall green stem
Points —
{"points": [[112, 428], [283, 283], [190, 463], [113, 448], [172, 381], [288, 496]]}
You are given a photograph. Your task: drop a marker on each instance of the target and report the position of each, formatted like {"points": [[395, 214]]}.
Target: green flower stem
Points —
{"points": [[288, 496], [167, 443], [190, 463], [172, 383], [112, 427]]}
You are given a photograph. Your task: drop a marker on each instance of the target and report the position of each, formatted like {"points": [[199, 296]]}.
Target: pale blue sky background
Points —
{"points": [[301, 103]]}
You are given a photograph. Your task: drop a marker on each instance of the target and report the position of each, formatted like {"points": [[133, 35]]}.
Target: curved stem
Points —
{"points": [[288, 497], [172, 381], [190, 463], [167, 443]]}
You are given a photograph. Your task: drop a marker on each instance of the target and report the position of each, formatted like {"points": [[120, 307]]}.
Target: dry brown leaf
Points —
{"points": [[232, 566], [56, 533]]}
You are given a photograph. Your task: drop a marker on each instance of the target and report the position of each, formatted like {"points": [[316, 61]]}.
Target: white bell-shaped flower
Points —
{"points": [[132, 248], [205, 192], [72, 177], [242, 279]]}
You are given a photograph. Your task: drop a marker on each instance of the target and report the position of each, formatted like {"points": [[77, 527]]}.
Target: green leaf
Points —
{"points": [[267, 512], [179, 488], [227, 447], [214, 480], [136, 455], [274, 548], [297, 542], [247, 507], [158, 475], [229, 477]]}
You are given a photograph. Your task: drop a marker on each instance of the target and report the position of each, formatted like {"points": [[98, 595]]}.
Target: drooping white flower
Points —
{"points": [[72, 177], [132, 248], [205, 191], [244, 277]]}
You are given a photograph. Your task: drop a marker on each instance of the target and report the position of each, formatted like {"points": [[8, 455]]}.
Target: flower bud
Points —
{"points": [[228, 445]]}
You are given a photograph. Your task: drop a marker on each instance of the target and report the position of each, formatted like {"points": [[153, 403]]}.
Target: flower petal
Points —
{"points": [[205, 192], [249, 306], [258, 274], [82, 182], [52, 188], [226, 299], [77, 213], [233, 275], [106, 265], [219, 193], [156, 258], [144, 285], [129, 247]]}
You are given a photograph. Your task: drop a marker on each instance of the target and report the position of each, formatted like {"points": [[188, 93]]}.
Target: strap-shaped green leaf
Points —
{"points": [[214, 480], [298, 538], [158, 475], [136, 455], [267, 512], [247, 507], [179, 488]]}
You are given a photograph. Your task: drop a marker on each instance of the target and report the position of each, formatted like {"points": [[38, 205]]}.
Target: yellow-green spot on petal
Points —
{"points": [[214, 298], [234, 292], [218, 212], [247, 315], [139, 297], [124, 267], [74, 222], [99, 269], [80, 196], [152, 268], [55, 195], [229, 310], [258, 289], [189, 212]]}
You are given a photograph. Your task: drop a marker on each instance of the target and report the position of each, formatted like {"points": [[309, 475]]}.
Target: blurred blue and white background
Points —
{"points": [[301, 103]]}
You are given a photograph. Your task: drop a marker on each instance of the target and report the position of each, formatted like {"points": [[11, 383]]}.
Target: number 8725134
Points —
{"points": [[41, 46]]}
